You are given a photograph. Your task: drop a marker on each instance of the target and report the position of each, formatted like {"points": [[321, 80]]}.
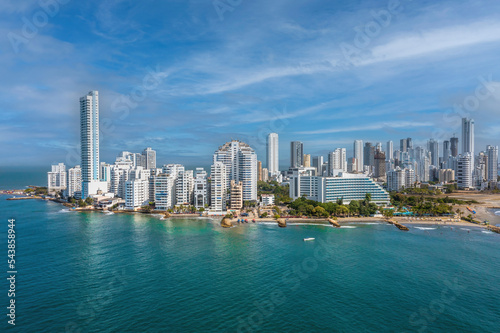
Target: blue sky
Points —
{"points": [[183, 78]]}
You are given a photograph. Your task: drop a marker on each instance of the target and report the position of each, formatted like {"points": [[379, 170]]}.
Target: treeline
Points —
{"points": [[306, 207]]}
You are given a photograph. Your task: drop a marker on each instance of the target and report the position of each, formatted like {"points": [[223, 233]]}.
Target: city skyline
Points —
{"points": [[149, 80]]}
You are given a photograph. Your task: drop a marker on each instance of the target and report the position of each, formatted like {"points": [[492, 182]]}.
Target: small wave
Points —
{"points": [[348, 227], [465, 229], [423, 228], [267, 223], [497, 212], [64, 211], [486, 232]]}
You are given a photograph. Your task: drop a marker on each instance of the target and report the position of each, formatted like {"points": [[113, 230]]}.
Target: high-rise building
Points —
{"points": [[398, 179], [358, 155], [464, 171], [433, 147], [164, 191], [56, 178], [492, 152], [296, 154], [369, 154], [390, 151], [454, 146], [218, 196], [149, 158], [74, 184], [273, 153], [200, 188], [241, 166], [317, 163], [446, 150], [184, 188], [446, 175], [468, 136], [259, 171], [236, 201], [337, 162], [89, 139], [307, 160], [379, 160]]}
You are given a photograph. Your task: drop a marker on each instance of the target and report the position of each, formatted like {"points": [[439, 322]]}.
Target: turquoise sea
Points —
{"points": [[91, 272]]}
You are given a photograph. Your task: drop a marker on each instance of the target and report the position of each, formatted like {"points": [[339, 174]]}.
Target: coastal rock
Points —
{"points": [[334, 223], [167, 214], [281, 223], [226, 223]]}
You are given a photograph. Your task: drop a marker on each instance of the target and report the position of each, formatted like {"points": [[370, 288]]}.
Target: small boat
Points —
{"points": [[309, 239]]}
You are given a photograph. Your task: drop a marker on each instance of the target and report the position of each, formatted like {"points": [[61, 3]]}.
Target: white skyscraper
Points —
{"points": [[218, 187], [492, 152], [241, 166], [464, 171], [433, 147], [149, 158], [89, 139], [273, 154], [358, 155], [337, 162], [74, 188], [56, 178], [184, 188], [390, 151]]}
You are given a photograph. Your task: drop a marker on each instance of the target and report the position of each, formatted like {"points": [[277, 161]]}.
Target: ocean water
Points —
{"points": [[18, 177], [91, 272]]}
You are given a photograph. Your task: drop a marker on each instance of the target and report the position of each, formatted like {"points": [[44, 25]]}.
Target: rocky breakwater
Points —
{"points": [[226, 223], [399, 226], [281, 223], [334, 223], [494, 229]]}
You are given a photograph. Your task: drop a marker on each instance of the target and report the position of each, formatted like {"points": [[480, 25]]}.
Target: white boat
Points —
{"points": [[308, 239]]}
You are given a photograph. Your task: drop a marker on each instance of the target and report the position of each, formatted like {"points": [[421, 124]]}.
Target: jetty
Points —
{"points": [[398, 225]]}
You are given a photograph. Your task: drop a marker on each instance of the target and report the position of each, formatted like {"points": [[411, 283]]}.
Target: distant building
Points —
{"points": [[149, 158], [273, 153], [164, 194], [56, 178], [265, 175], [337, 162], [317, 163], [389, 150], [446, 175], [296, 154], [137, 188], [379, 161], [307, 160], [358, 155], [259, 171], [433, 147], [492, 152], [454, 146]]}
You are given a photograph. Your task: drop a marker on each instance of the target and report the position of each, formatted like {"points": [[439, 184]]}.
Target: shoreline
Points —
{"points": [[481, 210]]}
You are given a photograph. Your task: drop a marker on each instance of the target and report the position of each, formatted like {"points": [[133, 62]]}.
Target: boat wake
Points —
{"points": [[64, 211], [348, 227], [424, 228], [486, 232]]}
